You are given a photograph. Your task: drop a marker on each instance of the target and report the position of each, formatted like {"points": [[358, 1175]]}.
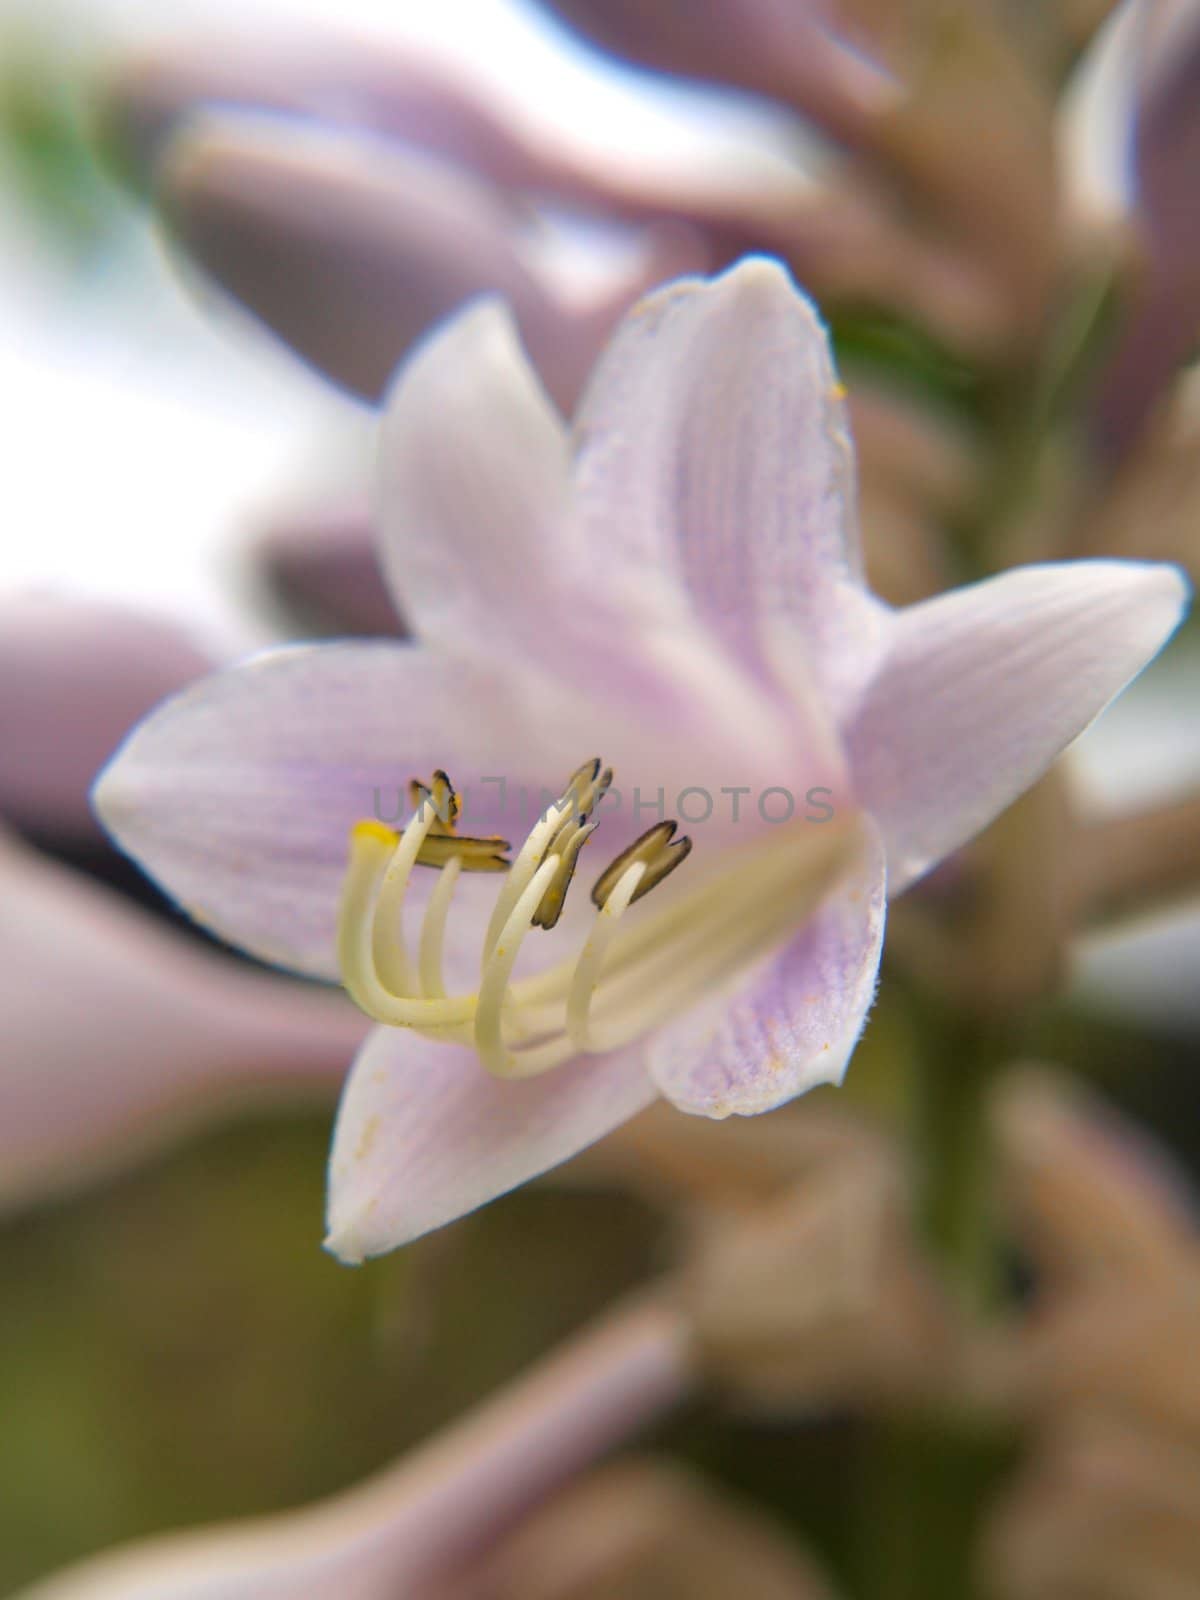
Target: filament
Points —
{"points": [[630, 975]]}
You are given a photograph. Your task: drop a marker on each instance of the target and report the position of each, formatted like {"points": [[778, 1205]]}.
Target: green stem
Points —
{"points": [[924, 1485], [949, 1140]]}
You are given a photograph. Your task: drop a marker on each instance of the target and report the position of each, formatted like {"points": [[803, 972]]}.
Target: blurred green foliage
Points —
{"points": [[175, 1347], [49, 162]]}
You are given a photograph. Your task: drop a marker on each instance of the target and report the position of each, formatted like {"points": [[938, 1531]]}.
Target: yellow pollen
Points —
{"points": [[627, 978], [379, 832]]}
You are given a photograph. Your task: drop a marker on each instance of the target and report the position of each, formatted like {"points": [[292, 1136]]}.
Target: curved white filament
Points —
{"points": [[624, 981]]}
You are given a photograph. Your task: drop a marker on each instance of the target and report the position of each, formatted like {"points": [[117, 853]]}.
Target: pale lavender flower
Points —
{"points": [[674, 583]]}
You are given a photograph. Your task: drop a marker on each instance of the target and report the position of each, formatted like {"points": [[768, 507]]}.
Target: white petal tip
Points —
{"points": [[1162, 594], [350, 1243], [483, 331], [764, 282], [1176, 587]]}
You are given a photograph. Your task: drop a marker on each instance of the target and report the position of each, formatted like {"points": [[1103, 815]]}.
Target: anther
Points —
{"points": [[567, 845], [659, 850], [442, 844]]}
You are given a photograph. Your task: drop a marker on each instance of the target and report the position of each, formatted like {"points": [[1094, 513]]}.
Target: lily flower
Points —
{"points": [[673, 583]]}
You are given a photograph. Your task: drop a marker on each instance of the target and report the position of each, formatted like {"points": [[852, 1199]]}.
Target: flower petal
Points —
{"points": [[482, 544], [425, 1135], [75, 675], [981, 689], [472, 486], [713, 454], [238, 795], [795, 1025], [119, 1032]]}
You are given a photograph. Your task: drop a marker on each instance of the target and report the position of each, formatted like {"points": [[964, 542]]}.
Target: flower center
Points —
{"points": [[628, 976]]}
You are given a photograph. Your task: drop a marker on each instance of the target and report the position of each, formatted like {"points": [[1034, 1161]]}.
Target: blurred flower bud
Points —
{"points": [[994, 931], [822, 1299], [1104, 1510], [1109, 1226], [909, 450], [916, 470], [1127, 1348], [731, 1166], [769, 47], [118, 1032], [1136, 864], [970, 146], [323, 564], [1158, 55], [939, 102], [338, 80], [643, 1529], [350, 249], [1150, 510], [410, 1529], [839, 237], [904, 556], [1092, 1194], [75, 675]]}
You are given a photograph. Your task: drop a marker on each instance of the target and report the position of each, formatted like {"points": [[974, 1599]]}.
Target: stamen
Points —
{"points": [[439, 793], [473, 855], [583, 790], [391, 954], [433, 931], [625, 980], [493, 990], [570, 841], [657, 848], [590, 965], [372, 848], [587, 786], [443, 842]]}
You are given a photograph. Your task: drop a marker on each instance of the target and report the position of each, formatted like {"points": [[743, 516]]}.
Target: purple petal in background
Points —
{"points": [[1159, 334], [119, 1032], [770, 47], [324, 562], [349, 248], [75, 675]]}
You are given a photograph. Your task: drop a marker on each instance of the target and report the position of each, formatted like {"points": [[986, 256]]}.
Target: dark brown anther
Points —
{"points": [[658, 848]]}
